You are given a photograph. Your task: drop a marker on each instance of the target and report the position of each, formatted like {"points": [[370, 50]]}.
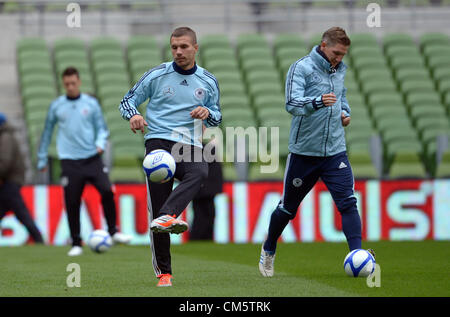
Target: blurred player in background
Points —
{"points": [[315, 96], [183, 96], [82, 138], [12, 175], [203, 203]]}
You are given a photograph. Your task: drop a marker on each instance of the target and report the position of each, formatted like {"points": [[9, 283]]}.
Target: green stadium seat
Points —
{"points": [[114, 56], [288, 40], [214, 41], [363, 39], [251, 40], [264, 89], [70, 44], [269, 101], [436, 51], [31, 44], [250, 53], [430, 39], [441, 74], [369, 63], [398, 39], [237, 113], [414, 98], [234, 102], [142, 42], [362, 166], [30, 55], [105, 43], [217, 54], [417, 86], [222, 66], [443, 168], [407, 164], [438, 62], [412, 73], [235, 89]]}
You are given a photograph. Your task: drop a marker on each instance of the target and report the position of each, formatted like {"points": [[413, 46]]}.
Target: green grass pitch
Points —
{"points": [[208, 269]]}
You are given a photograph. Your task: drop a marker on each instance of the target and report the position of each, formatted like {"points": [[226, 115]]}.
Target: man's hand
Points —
{"points": [[329, 99], [200, 113], [137, 122], [345, 120], [99, 150]]}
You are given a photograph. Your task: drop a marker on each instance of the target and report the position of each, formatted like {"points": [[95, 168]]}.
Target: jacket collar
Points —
{"points": [[322, 61], [181, 71], [73, 98]]}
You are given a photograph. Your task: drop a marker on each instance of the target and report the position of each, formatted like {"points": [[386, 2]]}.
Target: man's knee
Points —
{"points": [[286, 212], [347, 204], [200, 173]]}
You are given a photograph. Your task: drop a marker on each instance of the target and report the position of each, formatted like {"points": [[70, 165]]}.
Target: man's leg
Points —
{"points": [[73, 182], [14, 201], [99, 178], [191, 176], [203, 224], [299, 177], [338, 177], [157, 195]]}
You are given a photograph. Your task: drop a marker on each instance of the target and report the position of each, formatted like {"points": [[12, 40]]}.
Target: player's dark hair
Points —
{"points": [[336, 35], [69, 71], [184, 30]]}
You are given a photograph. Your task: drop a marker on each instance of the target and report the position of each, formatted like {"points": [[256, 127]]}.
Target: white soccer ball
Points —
{"points": [[159, 166], [99, 241], [359, 262]]}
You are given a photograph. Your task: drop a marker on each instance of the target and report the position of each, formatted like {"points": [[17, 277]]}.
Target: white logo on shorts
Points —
{"points": [[342, 165], [297, 182]]}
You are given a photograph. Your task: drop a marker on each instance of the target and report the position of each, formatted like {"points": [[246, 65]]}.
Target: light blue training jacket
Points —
{"points": [[316, 130], [173, 94], [81, 129]]}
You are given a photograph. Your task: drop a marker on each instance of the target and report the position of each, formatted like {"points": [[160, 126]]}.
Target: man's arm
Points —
{"points": [[297, 103], [215, 116], [344, 103], [46, 137], [131, 101], [345, 109], [101, 129]]}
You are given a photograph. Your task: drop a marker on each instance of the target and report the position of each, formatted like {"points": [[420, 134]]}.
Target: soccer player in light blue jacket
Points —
{"points": [[184, 97], [315, 96], [81, 139]]}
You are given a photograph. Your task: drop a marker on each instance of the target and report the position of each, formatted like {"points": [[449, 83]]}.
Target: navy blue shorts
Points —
{"points": [[302, 172]]}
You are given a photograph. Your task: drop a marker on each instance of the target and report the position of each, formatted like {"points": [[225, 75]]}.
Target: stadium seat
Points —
{"points": [[407, 164], [398, 39], [362, 166], [429, 39], [443, 168]]}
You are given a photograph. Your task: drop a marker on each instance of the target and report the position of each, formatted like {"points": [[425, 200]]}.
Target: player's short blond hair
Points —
{"points": [[184, 30], [336, 35]]}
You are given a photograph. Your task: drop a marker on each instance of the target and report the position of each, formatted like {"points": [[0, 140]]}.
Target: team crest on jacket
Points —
{"points": [[168, 91], [199, 93]]}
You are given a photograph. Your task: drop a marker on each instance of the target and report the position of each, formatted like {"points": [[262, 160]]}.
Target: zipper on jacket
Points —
{"points": [[333, 71]]}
